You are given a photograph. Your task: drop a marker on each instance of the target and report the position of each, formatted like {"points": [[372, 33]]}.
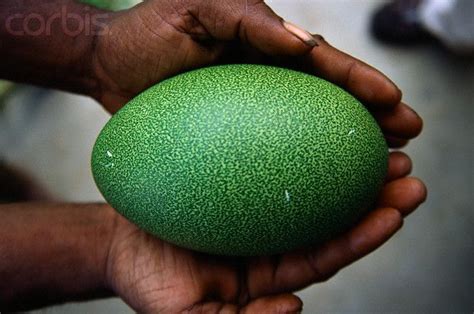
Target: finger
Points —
{"points": [[402, 121], [404, 194], [395, 142], [297, 270], [253, 22], [399, 165], [267, 32], [363, 81], [283, 303], [212, 307]]}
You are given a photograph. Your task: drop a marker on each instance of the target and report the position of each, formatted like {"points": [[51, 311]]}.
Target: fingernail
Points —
{"points": [[305, 36]]}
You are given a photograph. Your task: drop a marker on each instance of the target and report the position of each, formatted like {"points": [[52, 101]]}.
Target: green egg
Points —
{"points": [[242, 160]]}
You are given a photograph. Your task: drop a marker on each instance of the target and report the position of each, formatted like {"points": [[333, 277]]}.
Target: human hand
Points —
{"points": [[150, 43], [158, 39], [154, 276]]}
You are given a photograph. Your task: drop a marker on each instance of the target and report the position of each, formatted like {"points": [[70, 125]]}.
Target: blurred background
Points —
{"points": [[427, 267]]}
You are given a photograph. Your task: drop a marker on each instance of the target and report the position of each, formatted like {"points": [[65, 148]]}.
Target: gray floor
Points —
{"points": [[427, 267]]}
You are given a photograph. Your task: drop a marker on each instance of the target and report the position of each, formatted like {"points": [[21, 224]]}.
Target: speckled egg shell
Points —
{"points": [[241, 160]]}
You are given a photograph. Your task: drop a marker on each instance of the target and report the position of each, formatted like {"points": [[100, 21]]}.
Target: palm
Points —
{"points": [[154, 276]]}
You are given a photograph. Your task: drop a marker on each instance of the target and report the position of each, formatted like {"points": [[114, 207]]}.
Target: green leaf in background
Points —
{"points": [[5, 88], [114, 5]]}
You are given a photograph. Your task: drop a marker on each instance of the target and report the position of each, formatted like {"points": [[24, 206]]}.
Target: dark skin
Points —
{"points": [[83, 251]]}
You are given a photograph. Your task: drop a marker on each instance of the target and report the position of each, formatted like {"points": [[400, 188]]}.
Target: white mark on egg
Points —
{"points": [[352, 131], [287, 195], [109, 154]]}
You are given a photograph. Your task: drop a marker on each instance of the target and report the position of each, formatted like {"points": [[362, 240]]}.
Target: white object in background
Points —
{"points": [[451, 21]]}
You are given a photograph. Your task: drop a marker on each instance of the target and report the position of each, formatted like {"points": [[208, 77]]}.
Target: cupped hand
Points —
{"points": [[158, 39], [154, 276]]}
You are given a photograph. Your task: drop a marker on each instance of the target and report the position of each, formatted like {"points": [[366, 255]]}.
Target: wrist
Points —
{"points": [[91, 69], [101, 243], [95, 70], [121, 233], [105, 58]]}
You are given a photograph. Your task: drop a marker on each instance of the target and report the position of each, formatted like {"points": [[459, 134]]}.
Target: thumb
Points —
{"points": [[255, 23]]}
